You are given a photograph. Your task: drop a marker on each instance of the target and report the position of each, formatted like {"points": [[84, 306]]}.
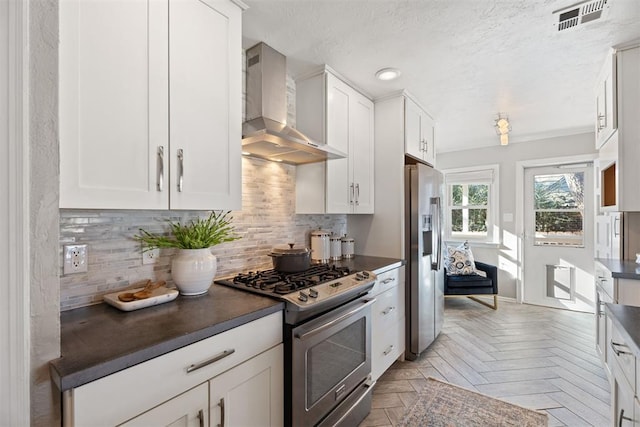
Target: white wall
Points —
{"points": [[506, 256], [44, 228]]}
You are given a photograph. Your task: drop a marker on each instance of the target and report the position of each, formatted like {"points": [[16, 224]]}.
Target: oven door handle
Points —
{"points": [[366, 303]]}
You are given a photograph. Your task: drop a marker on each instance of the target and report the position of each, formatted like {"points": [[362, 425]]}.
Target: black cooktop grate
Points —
{"points": [[273, 281]]}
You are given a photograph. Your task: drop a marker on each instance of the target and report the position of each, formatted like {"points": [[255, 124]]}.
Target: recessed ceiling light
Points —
{"points": [[388, 74]]}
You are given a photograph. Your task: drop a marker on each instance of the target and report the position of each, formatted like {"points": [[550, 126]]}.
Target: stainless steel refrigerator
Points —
{"points": [[423, 252]]}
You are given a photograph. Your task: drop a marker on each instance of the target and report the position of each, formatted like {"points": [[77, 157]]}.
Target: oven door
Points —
{"points": [[331, 357]]}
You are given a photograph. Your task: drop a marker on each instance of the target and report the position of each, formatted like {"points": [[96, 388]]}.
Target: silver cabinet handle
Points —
{"points": [[180, 168], [622, 417], [351, 197], [602, 122], [387, 310], [201, 417], [221, 405], [616, 350], [214, 359], [160, 168], [357, 194], [388, 350], [390, 279], [600, 310]]}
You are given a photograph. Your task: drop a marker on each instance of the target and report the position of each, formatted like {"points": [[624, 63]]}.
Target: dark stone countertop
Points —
{"points": [[627, 319], [100, 340], [377, 265], [621, 269]]}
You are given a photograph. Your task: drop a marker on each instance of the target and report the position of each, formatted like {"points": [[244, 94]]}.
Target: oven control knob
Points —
{"points": [[303, 297], [313, 293]]}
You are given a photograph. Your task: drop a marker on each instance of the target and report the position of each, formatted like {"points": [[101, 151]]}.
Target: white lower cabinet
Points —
{"points": [[242, 366], [388, 337], [250, 394], [623, 381], [190, 409]]}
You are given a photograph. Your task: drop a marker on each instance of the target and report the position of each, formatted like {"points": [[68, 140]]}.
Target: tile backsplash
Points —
{"points": [[267, 218]]}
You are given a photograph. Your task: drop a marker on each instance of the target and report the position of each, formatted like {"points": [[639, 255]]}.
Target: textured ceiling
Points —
{"points": [[464, 60]]}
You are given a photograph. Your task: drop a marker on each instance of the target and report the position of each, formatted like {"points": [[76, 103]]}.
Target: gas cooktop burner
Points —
{"points": [[316, 290], [284, 283]]}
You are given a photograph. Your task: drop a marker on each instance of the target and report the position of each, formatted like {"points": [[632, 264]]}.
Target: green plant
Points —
{"points": [[197, 234]]}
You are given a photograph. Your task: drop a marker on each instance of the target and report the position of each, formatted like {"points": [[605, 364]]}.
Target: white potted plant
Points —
{"points": [[193, 267]]}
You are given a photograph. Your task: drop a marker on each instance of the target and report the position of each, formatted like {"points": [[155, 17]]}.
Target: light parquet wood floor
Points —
{"points": [[537, 357]]}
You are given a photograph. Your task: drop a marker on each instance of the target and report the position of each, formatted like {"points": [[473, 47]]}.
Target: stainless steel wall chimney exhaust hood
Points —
{"points": [[265, 133]]}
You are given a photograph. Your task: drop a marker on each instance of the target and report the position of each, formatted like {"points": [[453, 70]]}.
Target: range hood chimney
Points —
{"points": [[265, 134]]}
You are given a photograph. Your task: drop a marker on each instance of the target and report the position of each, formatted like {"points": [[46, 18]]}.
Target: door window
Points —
{"points": [[559, 209]]}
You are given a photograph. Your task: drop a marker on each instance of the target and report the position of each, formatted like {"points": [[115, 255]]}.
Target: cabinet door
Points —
{"points": [[340, 189], [205, 104], [428, 136], [606, 101], [251, 394], [190, 409], [603, 327], [113, 89], [622, 401], [361, 153], [412, 131]]}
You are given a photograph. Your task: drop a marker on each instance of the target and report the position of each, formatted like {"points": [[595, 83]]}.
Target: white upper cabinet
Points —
{"points": [[331, 112], [419, 138], [606, 115], [150, 104], [619, 174]]}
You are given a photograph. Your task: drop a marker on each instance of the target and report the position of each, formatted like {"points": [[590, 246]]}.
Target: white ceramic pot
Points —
{"points": [[193, 270]]}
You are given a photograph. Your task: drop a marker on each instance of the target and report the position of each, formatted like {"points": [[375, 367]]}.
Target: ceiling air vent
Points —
{"points": [[581, 13]]}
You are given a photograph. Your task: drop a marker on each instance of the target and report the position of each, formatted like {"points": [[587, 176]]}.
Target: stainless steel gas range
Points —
{"points": [[327, 339]]}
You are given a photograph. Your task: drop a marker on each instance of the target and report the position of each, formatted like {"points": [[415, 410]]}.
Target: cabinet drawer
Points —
{"points": [[388, 308], [136, 389], [604, 279], [387, 280], [386, 346], [619, 352]]}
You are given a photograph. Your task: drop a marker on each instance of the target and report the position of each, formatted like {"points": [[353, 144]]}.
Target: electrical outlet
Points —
{"points": [[75, 259], [150, 256]]}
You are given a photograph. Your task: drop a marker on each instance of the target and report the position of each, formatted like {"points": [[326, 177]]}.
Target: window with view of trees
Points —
{"points": [[559, 209], [469, 207], [471, 204]]}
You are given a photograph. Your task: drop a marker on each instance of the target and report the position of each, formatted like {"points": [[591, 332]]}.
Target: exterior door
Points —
{"points": [[558, 237]]}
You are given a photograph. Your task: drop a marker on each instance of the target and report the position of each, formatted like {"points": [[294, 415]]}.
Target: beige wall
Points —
{"points": [[506, 256]]}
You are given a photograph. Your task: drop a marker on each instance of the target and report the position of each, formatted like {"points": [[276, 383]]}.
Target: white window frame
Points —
{"points": [[484, 174]]}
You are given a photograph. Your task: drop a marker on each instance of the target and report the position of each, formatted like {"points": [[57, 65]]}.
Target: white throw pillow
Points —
{"points": [[459, 260]]}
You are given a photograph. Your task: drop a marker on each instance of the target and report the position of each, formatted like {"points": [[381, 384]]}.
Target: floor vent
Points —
{"points": [[581, 13]]}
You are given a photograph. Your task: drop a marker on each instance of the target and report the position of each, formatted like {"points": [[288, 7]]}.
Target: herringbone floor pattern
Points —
{"points": [[536, 357]]}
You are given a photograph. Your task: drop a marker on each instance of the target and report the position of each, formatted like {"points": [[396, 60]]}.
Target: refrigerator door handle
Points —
{"points": [[436, 235]]}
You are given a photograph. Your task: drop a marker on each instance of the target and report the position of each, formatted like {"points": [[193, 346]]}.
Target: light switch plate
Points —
{"points": [[75, 259]]}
